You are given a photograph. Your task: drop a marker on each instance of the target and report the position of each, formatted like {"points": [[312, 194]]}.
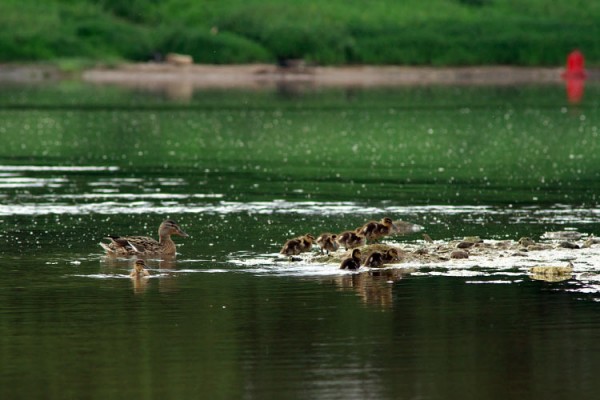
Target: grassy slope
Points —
{"points": [[433, 32]]}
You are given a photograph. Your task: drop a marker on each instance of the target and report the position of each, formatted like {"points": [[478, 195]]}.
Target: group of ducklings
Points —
{"points": [[369, 232]]}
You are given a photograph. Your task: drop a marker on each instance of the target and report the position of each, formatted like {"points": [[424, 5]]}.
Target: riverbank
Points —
{"points": [[264, 74], [261, 75]]}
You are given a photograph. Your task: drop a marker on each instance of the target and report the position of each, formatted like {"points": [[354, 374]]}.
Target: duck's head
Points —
{"points": [[170, 227], [139, 265], [387, 221], [309, 237], [393, 254], [356, 253]]}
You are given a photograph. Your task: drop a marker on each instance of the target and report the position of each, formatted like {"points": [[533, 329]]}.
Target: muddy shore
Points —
{"points": [[265, 75]]}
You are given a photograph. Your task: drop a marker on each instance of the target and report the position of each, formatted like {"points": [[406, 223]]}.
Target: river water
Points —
{"points": [[242, 172]]}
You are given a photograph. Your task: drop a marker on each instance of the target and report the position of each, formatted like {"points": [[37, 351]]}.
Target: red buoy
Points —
{"points": [[574, 76], [575, 65]]}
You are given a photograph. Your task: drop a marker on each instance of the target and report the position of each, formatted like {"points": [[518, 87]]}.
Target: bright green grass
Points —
{"points": [[433, 32]]}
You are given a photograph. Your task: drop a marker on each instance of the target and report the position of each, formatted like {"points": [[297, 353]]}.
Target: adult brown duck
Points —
{"points": [[144, 245]]}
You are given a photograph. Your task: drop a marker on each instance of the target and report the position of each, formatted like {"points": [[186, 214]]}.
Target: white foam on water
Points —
{"points": [[132, 196], [72, 168], [183, 203], [102, 276], [503, 268], [453, 272], [206, 271], [24, 182], [119, 276]]}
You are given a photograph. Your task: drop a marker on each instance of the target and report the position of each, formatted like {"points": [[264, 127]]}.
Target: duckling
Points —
{"points": [[139, 269], [298, 245], [143, 245], [292, 247], [350, 239], [327, 242], [352, 262], [374, 230], [307, 241], [391, 255], [374, 260]]}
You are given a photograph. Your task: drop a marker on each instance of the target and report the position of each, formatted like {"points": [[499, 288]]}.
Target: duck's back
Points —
{"points": [[127, 245], [374, 260], [349, 263], [292, 247]]}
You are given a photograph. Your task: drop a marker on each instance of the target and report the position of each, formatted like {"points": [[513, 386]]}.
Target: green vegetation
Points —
{"points": [[412, 32]]}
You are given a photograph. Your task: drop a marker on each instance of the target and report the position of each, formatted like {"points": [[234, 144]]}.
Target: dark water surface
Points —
{"points": [[242, 171]]}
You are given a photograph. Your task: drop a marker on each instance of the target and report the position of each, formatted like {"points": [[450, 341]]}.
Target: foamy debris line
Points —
{"points": [[133, 196], [120, 276], [74, 168], [499, 266], [24, 182], [557, 214]]}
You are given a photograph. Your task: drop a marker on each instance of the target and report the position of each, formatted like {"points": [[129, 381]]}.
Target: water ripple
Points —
{"points": [[156, 203], [23, 182], [74, 168]]}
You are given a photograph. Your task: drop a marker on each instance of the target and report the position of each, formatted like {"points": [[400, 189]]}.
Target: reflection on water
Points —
{"points": [[244, 171], [140, 284], [374, 287]]}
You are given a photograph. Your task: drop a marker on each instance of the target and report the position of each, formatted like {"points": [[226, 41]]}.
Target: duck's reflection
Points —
{"points": [[167, 283], [375, 287], [167, 263], [550, 278], [139, 283]]}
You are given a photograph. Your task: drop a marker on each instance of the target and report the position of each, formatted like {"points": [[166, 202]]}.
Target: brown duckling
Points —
{"points": [[375, 260], [292, 247], [139, 269], [307, 241], [387, 254], [350, 239], [327, 242], [352, 262], [143, 245], [297, 245], [374, 230], [391, 255]]}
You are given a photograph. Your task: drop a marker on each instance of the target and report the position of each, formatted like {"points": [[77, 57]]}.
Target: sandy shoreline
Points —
{"points": [[265, 75]]}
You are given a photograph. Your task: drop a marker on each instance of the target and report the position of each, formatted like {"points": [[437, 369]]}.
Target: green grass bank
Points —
{"points": [[332, 32]]}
